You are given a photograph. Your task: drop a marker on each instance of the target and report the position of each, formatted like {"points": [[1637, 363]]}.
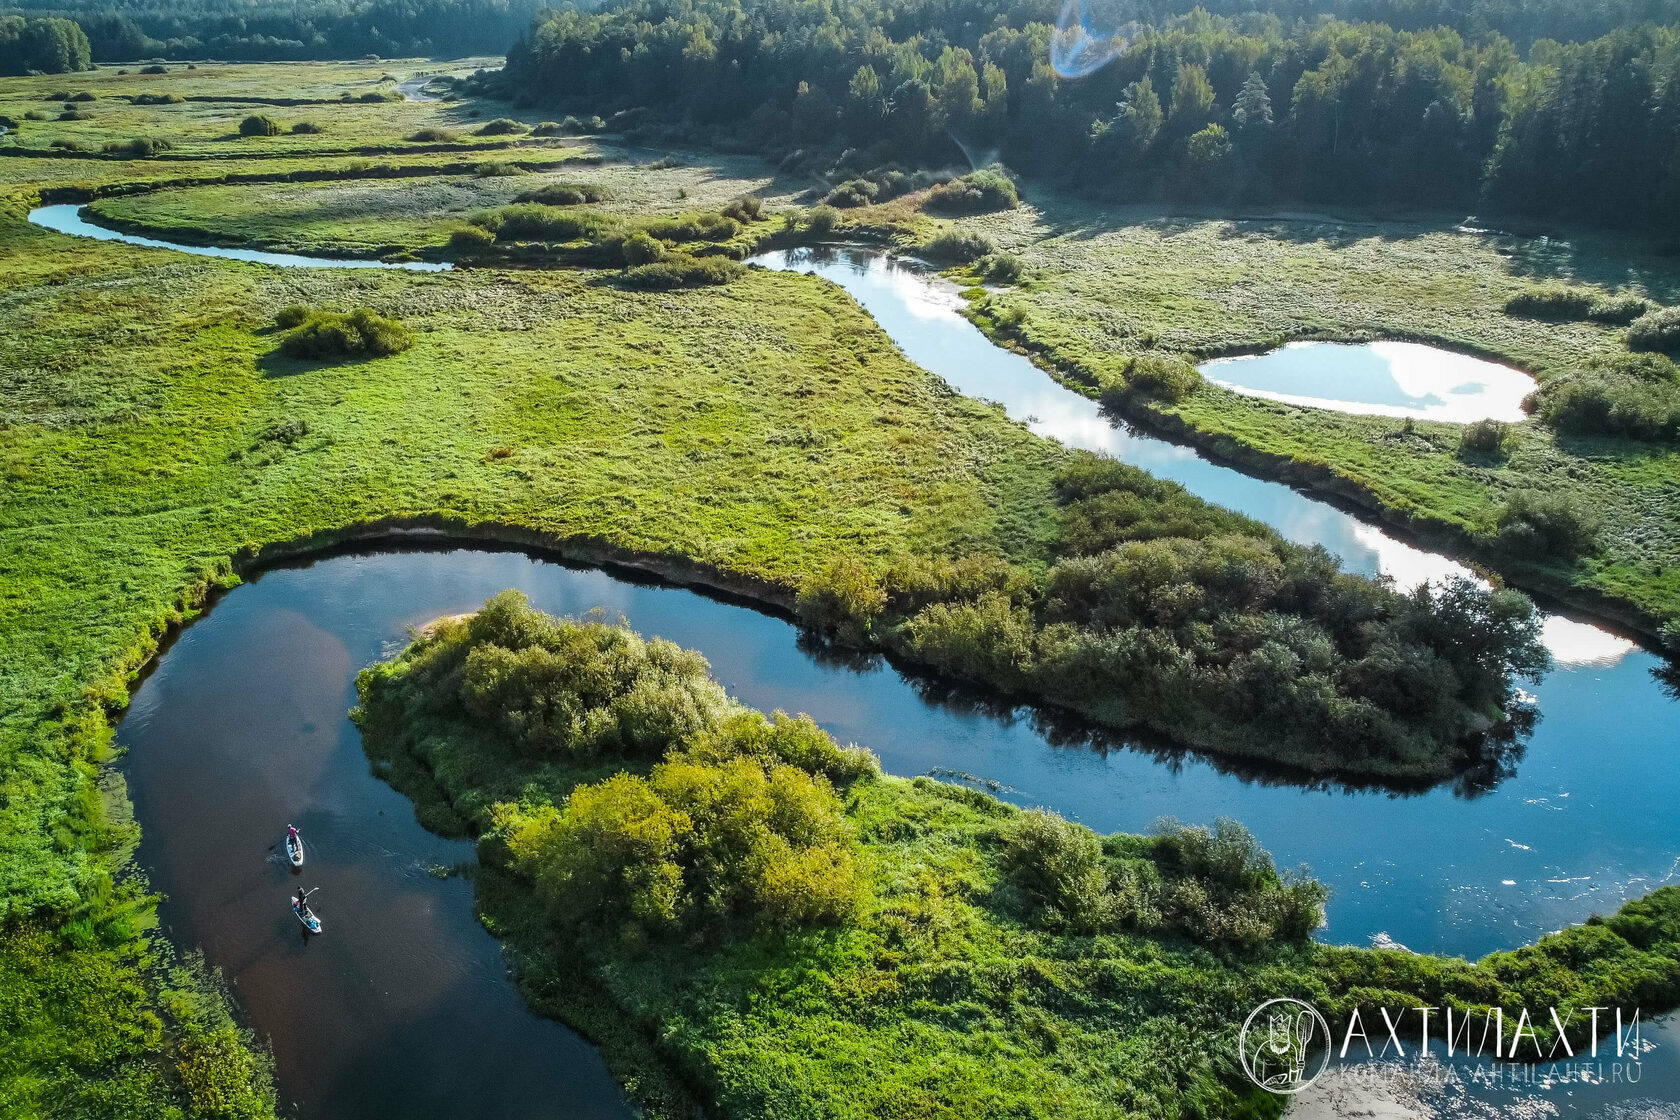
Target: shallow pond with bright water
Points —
{"points": [[1379, 379]]}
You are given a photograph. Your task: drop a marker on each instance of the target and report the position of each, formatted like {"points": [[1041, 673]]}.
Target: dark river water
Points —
{"points": [[402, 1007]]}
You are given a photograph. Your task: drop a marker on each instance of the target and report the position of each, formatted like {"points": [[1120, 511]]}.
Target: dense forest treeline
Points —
{"points": [[1249, 108], [52, 46], [313, 29]]}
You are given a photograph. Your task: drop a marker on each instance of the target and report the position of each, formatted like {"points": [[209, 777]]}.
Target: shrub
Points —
{"points": [[955, 245], [1060, 867], [532, 221], [498, 169], [157, 99], [823, 221], [66, 145], [1634, 396], [138, 148], [1556, 302], [979, 193], [1158, 375], [696, 227], [640, 249], [154, 68], [36, 115], [329, 334], [259, 125], [565, 194], [1484, 437], [501, 126], [75, 115], [1536, 522], [680, 270], [853, 192], [1003, 268], [306, 128], [432, 136], [470, 241], [547, 128], [292, 315], [844, 597], [84, 95], [56, 95], [745, 209], [1619, 310], [1656, 331]]}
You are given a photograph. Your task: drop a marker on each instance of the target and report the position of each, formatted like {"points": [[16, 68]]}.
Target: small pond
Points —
{"points": [[1379, 379]]}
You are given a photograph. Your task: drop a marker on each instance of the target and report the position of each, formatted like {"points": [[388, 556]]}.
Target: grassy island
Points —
{"points": [[752, 919]]}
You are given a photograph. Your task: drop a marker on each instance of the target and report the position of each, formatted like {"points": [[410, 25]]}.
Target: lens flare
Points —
{"points": [[1087, 37]]}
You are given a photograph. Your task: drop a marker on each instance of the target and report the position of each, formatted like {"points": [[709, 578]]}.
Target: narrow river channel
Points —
{"points": [[402, 1008]]}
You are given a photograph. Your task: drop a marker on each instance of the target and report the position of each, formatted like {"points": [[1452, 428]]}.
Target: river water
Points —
{"points": [[241, 728]]}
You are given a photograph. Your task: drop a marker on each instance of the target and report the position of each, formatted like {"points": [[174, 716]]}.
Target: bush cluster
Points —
{"points": [[979, 193], [1536, 523], [956, 245], [1484, 437], [1635, 396], [566, 193], [306, 128], [141, 147], [501, 126], [1153, 375], [682, 270], [1656, 330], [157, 99], [315, 333], [1217, 886], [432, 136], [259, 125], [1168, 612], [1563, 303]]}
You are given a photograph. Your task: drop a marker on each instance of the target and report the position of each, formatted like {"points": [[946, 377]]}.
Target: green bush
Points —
{"points": [[1656, 331], [501, 126], [1619, 310], [1484, 437], [1159, 375], [157, 99], [306, 128], [565, 194], [84, 95], [745, 209], [694, 227], [314, 333], [36, 115], [1635, 396], [66, 145], [1535, 522], [533, 221], [75, 115], [979, 193], [154, 68], [498, 169], [680, 270], [432, 136], [138, 148], [1557, 302], [823, 221], [1002, 268], [259, 125], [547, 128], [956, 245], [470, 241], [640, 249], [1061, 869]]}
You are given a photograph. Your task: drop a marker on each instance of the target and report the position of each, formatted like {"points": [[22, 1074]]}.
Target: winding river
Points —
{"points": [[241, 727]]}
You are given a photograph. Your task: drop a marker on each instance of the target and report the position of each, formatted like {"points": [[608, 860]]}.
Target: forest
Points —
{"points": [[1247, 108], [315, 29], [51, 46]]}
